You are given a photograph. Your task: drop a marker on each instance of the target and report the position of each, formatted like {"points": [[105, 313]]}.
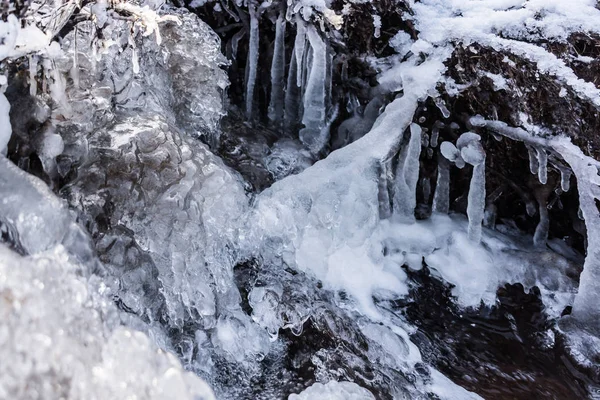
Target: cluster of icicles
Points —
{"points": [[468, 150], [558, 152], [306, 96]]}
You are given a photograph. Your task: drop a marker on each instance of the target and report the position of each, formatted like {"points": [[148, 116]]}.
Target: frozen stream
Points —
{"points": [[309, 236]]}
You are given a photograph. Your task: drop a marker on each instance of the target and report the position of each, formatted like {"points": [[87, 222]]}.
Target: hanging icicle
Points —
{"points": [[542, 171], [407, 175], [278, 72], [468, 149], [585, 169], [33, 66], [435, 133], [540, 237], [292, 98], [314, 114], [252, 59], [533, 160], [299, 48], [441, 197]]}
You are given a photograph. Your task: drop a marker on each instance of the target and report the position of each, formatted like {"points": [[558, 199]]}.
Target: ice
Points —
{"points": [[585, 170], [441, 197], [472, 152], [325, 215], [565, 179], [407, 175], [542, 172], [333, 390], [313, 135], [299, 49], [38, 220], [533, 160], [278, 72], [357, 126], [252, 62], [435, 133], [5, 127], [441, 105], [541, 230], [292, 97], [452, 154], [60, 338]]}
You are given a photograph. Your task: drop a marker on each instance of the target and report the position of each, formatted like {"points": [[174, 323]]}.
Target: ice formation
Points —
{"points": [[407, 175], [252, 58], [276, 105], [60, 338], [225, 278]]}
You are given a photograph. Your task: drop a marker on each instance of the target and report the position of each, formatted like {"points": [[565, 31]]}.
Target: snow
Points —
{"points": [[504, 24]]}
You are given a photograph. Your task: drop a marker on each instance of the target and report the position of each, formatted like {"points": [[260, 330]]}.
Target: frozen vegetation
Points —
{"points": [[137, 260]]}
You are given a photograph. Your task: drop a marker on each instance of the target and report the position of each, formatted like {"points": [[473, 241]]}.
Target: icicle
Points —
{"points": [[476, 202], [377, 25], [489, 217], [314, 113], [407, 175], [252, 59], [232, 46], [74, 72], [585, 306], [533, 160], [33, 65], [441, 104], [426, 186], [542, 171], [299, 48], [565, 180], [471, 151], [278, 72], [565, 176], [292, 98], [541, 230], [384, 191], [435, 133], [56, 83], [329, 79]]}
